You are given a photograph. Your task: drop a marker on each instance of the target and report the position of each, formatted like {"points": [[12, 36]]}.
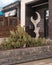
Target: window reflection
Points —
{"points": [[46, 21]]}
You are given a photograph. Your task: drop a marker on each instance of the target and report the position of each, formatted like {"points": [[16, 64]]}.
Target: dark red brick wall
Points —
{"points": [[50, 19]]}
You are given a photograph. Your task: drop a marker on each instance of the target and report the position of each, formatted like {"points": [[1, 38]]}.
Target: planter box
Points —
{"points": [[16, 56]]}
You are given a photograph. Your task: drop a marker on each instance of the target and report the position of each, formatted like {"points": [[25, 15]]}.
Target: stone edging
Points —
{"points": [[16, 56]]}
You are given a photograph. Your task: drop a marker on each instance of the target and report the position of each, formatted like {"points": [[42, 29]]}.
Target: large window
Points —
{"points": [[10, 13], [46, 21]]}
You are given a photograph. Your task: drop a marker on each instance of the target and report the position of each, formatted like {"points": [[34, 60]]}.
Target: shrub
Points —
{"points": [[20, 39]]}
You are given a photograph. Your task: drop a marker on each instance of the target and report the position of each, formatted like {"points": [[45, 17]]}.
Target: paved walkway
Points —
{"points": [[40, 62]]}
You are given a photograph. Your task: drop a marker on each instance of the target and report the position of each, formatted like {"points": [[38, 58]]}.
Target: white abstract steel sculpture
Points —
{"points": [[35, 22]]}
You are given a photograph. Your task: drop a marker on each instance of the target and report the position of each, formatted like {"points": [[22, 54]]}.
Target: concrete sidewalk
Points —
{"points": [[39, 62]]}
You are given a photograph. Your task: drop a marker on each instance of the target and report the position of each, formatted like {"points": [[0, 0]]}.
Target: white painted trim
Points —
{"points": [[23, 2]]}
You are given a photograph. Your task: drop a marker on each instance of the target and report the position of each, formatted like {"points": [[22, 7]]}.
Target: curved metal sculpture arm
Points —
{"points": [[35, 22]]}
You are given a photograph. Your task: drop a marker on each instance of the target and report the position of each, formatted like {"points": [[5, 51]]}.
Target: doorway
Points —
{"points": [[41, 7]]}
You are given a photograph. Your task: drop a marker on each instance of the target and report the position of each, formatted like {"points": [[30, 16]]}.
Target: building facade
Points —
{"points": [[10, 18], [29, 9], [25, 9], [12, 10]]}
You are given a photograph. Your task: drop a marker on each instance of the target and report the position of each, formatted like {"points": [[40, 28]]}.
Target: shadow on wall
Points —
{"points": [[30, 26]]}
